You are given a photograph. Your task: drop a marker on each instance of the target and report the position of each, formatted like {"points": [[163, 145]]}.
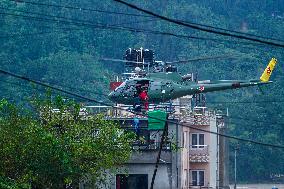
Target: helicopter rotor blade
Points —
{"points": [[201, 58], [120, 60]]}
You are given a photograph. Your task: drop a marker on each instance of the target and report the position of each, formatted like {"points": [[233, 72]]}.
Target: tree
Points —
{"points": [[55, 146]]}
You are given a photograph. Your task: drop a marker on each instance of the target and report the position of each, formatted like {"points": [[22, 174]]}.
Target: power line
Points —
{"points": [[138, 15], [113, 26], [236, 118], [79, 8], [40, 33], [165, 130], [63, 86], [136, 30], [130, 29], [198, 27], [256, 121], [169, 121], [62, 17], [60, 29], [231, 31], [106, 95], [244, 102]]}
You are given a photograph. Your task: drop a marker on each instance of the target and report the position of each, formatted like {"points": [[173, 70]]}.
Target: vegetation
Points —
{"points": [[56, 146], [56, 50]]}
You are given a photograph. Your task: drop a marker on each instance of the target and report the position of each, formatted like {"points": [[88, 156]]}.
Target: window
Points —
{"points": [[197, 140], [137, 181], [185, 176], [197, 177], [185, 139]]}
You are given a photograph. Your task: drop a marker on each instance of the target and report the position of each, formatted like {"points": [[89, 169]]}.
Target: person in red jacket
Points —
{"points": [[144, 98]]}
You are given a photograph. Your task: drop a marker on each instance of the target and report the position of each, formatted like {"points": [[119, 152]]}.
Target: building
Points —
{"points": [[204, 162], [190, 158]]}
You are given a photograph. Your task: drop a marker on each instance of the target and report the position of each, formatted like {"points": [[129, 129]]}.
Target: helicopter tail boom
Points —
{"points": [[211, 87]]}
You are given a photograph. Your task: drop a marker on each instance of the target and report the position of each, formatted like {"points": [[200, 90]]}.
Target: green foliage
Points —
{"points": [[60, 146], [10, 184]]}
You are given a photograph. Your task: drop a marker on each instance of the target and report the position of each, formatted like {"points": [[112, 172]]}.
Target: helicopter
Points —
{"points": [[165, 86]]}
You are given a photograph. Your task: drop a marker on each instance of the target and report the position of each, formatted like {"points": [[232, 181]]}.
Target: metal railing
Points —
{"points": [[197, 186], [151, 145], [197, 120], [127, 111]]}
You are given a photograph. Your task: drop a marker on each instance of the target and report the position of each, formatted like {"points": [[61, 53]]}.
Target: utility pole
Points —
{"points": [[236, 149], [164, 134]]}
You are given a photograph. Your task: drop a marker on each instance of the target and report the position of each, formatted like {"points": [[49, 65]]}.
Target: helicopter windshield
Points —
{"points": [[132, 87]]}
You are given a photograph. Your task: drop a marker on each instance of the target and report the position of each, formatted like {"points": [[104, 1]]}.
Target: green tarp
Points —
{"points": [[156, 124]]}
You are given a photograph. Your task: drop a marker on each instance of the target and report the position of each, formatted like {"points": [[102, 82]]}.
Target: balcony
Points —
{"points": [[200, 116], [197, 120], [199, 153], [147, 152]]}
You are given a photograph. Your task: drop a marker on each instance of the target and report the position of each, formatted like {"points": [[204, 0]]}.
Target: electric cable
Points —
{"points": [[136, 113], [51, 83], [127, 14], [79, 8], [244, 102], [256, 121], [71, 19], [163, 136], [93, 25], [164, 133], [130, 29], [106, 95], [62, 29], [207, 102], [198, 27], [41, 33]]}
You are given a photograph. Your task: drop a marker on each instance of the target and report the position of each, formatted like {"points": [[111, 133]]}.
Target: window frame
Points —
{"points": [[197, 177], [197, 145]]}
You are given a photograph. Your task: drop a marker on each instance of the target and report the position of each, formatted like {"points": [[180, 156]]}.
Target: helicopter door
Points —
{"points": [[141, 85], [167, 90], [129, 89]]}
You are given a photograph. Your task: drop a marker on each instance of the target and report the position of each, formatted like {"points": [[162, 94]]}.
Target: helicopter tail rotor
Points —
{"points": [[268, 71]]}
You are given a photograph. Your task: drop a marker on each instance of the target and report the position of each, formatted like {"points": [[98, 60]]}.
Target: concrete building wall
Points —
{"points": [[213, 154], [185, 168], [184, 108]]}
